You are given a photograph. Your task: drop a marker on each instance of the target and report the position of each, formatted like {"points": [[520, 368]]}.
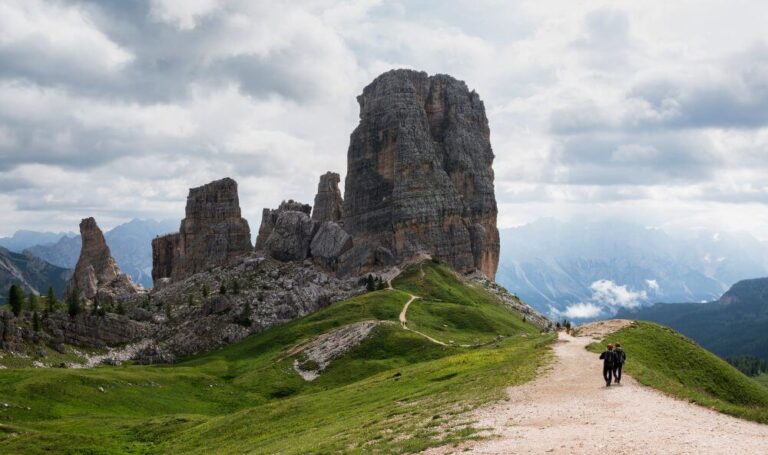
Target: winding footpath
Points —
{"points": [[568, 410]]}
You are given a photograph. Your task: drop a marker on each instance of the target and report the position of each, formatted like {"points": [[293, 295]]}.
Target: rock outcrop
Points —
{"points": [[290, 237], [269, 219], [212, 233], [96, 272], [330, 242], [419, 177], [328, 201]]}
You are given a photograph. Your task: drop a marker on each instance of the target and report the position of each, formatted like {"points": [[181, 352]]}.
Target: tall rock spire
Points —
{"points": [[328, 201], [420, 177], [96, 272]]}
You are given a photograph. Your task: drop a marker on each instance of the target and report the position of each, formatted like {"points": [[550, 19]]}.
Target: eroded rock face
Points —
{"points": [[269, 219], [290, 237], [97, 272], [419, 176], [212, 233], [330, 242], [328, 201]]}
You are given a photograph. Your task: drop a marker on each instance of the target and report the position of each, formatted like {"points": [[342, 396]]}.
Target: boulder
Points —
{"points": [[269, 219], [290, 238], [330, 242]]}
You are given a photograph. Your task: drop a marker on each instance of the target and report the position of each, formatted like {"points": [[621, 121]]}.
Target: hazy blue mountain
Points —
{"points": [[23, 239], [568, 266], [63, 253], [32, 273], [130, 243], [734, 325]]}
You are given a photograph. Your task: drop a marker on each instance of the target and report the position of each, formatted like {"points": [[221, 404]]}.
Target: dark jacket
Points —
{"points": [[608, 358], [620, 356]]}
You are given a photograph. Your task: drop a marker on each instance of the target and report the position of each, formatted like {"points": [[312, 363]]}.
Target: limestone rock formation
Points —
{"points": [[290, 237], [96, 271], [212, 233], [328, 201], [419, 177], [330, 242], [269, 219]]}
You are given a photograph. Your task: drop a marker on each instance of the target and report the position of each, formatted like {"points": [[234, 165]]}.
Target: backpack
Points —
{"points": [[610, 357], [620, 356]]}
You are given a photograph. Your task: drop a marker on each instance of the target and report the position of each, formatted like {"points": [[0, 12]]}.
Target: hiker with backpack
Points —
{"points": [[609, 359], [619, 358]]}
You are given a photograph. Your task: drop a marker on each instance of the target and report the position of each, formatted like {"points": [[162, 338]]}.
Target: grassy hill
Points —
{"points": [[734, 325], [396, 391], [666, 360]]}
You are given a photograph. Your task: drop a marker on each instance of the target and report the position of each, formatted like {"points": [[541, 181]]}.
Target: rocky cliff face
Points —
{"points": [[328, 201], [419, 177], [213, 233], [96, 272]]}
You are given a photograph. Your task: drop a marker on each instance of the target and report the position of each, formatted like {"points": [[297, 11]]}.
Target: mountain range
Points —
{"points": [[31, 272], [585, 270], [736, 324], [130, 244]]}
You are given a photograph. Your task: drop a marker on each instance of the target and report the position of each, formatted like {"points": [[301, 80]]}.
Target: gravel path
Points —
{"points": [[568, 410]]}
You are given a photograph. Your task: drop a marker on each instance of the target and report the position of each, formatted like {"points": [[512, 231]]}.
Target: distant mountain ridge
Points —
{"points": [[554, 265], [130, 243], [31, 273], [735, 324], [24, 239]]}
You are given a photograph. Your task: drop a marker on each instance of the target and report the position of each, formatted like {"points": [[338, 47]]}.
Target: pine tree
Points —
{"points": [[15, 299], [235, 286], [73, 304], [120, 308], [205, 290], [222, 289], [32, 301], [369, 284], [35, 322], [51, 300]]}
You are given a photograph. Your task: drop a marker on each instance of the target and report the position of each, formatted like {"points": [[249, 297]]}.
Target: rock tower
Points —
{"points": [[212, 233], [419, 172], [96, 272]]}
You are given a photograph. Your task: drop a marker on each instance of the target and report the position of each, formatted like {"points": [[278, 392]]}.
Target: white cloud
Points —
{"points": [[653, 285], [584, 310], [610, 294], [592, 106], [50, 33]]}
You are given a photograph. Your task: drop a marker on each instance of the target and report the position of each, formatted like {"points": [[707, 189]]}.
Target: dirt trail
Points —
{"points": [[568, 410], [404, 321]]}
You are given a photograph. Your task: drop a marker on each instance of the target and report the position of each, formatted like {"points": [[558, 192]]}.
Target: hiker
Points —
{"points": [[608, 359], [619, 358]]}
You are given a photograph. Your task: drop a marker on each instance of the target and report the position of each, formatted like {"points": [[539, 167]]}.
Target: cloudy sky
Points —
{"points": [[654, 110]]}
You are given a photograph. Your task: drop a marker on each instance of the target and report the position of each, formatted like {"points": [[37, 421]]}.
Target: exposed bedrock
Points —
{"points": [[328, 201], [420, 177], [96, 272], [212, 233]]}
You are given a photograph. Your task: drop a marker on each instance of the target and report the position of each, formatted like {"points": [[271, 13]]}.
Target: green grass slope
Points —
{"points": [[394, 392], [666, 360]]}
